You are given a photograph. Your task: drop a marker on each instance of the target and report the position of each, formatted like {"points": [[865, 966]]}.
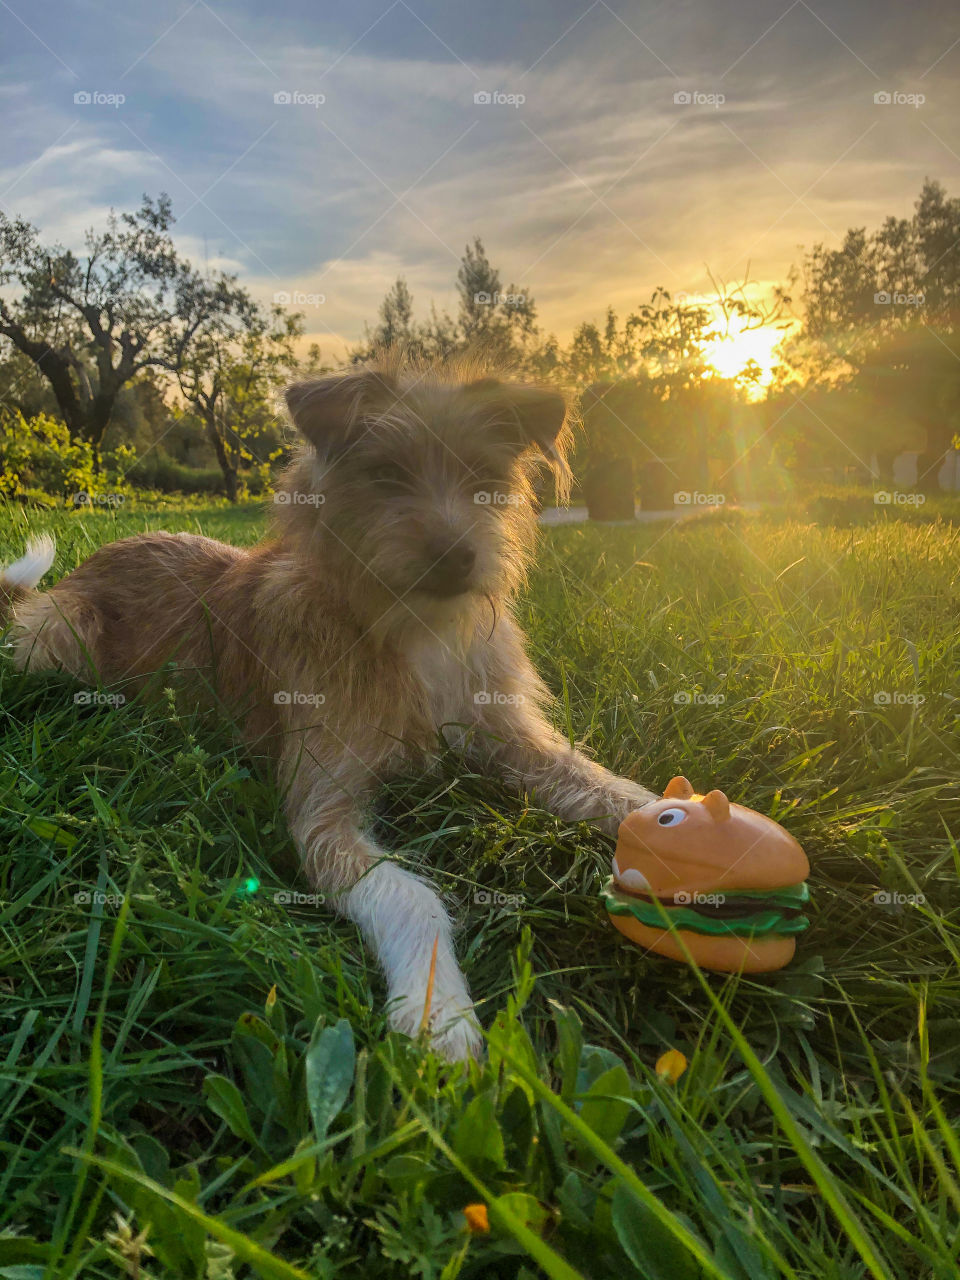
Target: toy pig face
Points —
{"points": [[703, 843]]}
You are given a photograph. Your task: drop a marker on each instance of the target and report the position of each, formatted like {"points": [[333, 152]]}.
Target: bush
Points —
{"points": [[40, 462], [158, 471], [847, 508]]}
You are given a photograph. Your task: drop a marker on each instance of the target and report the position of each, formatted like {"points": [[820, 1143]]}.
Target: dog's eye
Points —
{"points": [[670, 817], [389, 474], [487, 488]]}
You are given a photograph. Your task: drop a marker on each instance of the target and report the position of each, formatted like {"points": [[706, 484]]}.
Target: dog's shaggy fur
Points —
{"points": [[376, 618]]}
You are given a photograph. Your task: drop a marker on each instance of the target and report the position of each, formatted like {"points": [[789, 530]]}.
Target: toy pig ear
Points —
{"points": [[717, 805], [678, 788]]}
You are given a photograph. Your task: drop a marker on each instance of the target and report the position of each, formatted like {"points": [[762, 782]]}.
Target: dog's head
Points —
{"points": [[417, 486]]}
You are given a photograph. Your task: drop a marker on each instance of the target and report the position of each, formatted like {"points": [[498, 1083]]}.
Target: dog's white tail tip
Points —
{"points": [[30, 568]]}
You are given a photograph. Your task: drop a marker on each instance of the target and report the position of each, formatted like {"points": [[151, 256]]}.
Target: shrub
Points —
{"points": [[158, 471], [40, 462]]}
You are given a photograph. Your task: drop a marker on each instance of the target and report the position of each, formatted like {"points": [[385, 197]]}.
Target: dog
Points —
{"points": [[372, 626]]}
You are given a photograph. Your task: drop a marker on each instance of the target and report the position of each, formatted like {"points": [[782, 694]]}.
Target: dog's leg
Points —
{"points": [[399, 915], [528, 751], [515, 740]]}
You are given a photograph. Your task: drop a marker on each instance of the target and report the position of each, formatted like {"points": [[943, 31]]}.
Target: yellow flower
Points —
{"points": [[271, 997], [671, 1066], [477, 1220]]}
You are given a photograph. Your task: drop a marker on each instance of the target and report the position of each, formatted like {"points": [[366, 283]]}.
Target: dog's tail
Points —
{"points": [[18, 580]]}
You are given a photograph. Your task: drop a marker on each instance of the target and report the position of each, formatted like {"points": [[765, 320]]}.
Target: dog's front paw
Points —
{"points": [[454, 1031], [455, 1034]]}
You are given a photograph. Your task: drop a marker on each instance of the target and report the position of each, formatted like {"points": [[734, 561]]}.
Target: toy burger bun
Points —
{"points": [[726, 880]]}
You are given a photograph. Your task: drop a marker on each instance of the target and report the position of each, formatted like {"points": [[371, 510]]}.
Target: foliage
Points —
{"points": [[39, 462], [187, 1056], [861, 381], [883, 311], [158, 471], [500, 323], [239, 358], [91, 324]]}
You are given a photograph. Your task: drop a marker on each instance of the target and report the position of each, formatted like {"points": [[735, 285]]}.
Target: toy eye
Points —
{"points": [[671, 817]]}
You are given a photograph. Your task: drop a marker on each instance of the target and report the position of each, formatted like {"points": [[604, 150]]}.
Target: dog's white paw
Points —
{"points": [[405, 922], [454, 1031], [455, 1034]]}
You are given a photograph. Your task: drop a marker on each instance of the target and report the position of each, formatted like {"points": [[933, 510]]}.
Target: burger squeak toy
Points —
{"points": [[726, 880]]}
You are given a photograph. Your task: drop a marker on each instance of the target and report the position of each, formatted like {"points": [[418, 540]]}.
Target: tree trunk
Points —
{"points": [[656, 485], [231, 482], [939, 443], [885, 461], [608, 490], [55, 367], [98, 419]]}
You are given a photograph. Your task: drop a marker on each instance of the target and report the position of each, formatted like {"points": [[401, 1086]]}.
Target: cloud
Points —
{"points": [[597, 188]]}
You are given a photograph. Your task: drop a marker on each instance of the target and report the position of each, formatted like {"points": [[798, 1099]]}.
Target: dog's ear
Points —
{"points": [[522, 416], [326, 410]]}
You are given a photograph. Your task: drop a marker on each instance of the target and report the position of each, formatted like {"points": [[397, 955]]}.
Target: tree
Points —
{"points": [[489, 318], [434, 339], [229, 375], [648, 390], [500, 324], [91, 324], [882, 312], [396, 317]]}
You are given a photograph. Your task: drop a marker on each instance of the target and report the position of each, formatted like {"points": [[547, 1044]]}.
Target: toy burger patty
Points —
{"points": [[745, 914], [726, 881]]}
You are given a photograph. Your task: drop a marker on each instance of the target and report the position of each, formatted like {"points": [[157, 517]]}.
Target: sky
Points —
{"points": [[600, 149]]}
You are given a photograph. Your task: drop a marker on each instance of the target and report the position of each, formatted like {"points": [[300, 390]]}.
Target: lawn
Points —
{"points": [[185, 1056]]}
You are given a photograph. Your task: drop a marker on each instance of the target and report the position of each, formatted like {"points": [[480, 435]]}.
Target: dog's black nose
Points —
{"points": [[458, 560], [450, 573]]}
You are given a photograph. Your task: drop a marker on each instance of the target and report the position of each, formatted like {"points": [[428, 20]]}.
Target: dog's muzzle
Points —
{"points": [[451, 574]]}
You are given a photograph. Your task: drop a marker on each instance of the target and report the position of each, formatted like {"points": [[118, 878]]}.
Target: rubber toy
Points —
{"points": [[726, 880]]}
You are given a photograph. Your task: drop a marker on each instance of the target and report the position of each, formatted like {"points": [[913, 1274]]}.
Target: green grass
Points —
{"points": [[147, 1071]]}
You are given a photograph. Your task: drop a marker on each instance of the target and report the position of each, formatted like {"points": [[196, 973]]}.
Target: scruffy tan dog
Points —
{"points": [[376, 618]]}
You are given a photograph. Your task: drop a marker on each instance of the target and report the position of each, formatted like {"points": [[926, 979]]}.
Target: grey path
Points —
{"points": [[578, 515]]}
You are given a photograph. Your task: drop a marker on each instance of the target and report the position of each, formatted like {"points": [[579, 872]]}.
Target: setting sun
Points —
{"points": [[730, 355]]}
